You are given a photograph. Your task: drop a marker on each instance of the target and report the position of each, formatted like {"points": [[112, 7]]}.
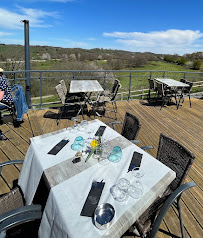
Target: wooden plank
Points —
{"points": [[35, 124]]}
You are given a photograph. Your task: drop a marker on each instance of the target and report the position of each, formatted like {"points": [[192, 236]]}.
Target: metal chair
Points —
{"points": [[12, 209], [8, 107], [101, 103], [67, 99], [166, 94], [151, 87], [171, 200], [177, 157], [186, 91], [130, 128]]}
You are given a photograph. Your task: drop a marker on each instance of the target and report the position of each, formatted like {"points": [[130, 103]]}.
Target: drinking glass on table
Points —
{"points": [[78, 144], [74, 128], [83, 125]]}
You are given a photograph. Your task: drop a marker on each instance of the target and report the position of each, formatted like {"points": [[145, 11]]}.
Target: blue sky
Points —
{"points": [[159, 26]]}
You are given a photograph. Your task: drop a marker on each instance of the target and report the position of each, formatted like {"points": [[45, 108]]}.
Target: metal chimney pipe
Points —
{"points": [[27, 62]]}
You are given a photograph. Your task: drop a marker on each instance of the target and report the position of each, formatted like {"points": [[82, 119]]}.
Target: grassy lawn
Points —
{"points": [[139, 79]]}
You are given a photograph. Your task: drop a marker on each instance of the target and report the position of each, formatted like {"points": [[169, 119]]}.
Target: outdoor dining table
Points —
{"points": [[69, 184], [171, 83]]}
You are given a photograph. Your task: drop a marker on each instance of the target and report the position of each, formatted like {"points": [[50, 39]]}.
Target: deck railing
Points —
{"points": [[134, 82]]}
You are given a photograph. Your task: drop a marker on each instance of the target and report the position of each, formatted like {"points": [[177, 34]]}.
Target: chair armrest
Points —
{"points": [[113, 124], [147, 147], [19, 216], [10, 162], [176, 194], [135, 141]]}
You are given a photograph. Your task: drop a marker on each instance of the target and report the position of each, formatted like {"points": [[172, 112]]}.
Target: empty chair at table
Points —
{"points": [[131, 127], [69, 100], [166, 94], [151, 87], [177, 157], [186, 91], [108, 96]]}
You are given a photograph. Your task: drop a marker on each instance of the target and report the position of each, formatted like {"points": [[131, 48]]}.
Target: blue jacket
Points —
{"points": [[19, 101]]}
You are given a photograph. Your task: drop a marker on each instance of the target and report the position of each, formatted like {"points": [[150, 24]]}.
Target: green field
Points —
{"points": [[139, 79]]}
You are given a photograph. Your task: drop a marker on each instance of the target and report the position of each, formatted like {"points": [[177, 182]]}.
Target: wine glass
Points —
{"points": [[138, 173], [89, 132]]}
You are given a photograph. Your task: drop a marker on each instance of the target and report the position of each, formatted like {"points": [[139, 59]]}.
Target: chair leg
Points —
{"points": [[58, 120], [180, 218], [190, 101]]}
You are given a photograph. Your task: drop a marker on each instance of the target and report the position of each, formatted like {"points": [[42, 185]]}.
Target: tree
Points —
{"points": [[197, 64]]}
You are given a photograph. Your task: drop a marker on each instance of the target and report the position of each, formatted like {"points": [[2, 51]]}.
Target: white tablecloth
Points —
{"points": [[61, 217]]}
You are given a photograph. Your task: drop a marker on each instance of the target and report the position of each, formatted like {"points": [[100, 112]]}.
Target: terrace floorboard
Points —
{"points": [[184, 125]]}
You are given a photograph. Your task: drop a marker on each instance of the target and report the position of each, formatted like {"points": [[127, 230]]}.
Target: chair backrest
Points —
{"points": [[174, 155], [131, 126], [183, 80], [160, 88], [115, 89], [64, 88], [151, 83], [188, 89], [60, 91]]}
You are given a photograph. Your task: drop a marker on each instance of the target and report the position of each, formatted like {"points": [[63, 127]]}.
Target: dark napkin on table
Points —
{"points": [[58, 147], [135, 161], [100, 131], [92, 199]]}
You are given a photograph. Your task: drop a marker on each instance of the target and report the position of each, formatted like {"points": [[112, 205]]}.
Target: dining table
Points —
{"points": [[69, 183]]}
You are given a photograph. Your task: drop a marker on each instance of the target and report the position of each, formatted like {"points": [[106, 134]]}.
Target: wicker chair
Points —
{"points": [[12, 209], [174, 155], [154, 227], [130, 128]]}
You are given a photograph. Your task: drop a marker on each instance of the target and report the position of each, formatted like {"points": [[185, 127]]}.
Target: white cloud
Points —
{"points": [[4, 34], [170, 41], [91, 38], [35, 16]]}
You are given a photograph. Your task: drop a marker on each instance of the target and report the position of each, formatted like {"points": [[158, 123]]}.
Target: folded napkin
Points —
{"points": [[58, 147], [92, 199], [135, 161]]}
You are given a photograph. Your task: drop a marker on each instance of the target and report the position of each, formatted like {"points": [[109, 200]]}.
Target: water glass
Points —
{"points": [[78, 144], [123, 184], [136, 190], [118, 195], [83, 125], [116, 154]]}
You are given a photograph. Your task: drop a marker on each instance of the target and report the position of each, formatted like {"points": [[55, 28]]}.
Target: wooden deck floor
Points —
{"points": [[184, 125]]}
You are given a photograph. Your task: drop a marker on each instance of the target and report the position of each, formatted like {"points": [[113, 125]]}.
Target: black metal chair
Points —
{"points": [[177, 157], [130, 128], [185, 91], [8, 107], [103, 100], [166, 94], [13, 212]]}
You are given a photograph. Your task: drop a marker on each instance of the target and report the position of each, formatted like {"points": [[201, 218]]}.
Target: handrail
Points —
{"points": [[43, 82]]}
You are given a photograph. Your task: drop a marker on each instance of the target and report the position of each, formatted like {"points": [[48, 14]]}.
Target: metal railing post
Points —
{"points": [[40, 82], [129, 93], [27, 62]]}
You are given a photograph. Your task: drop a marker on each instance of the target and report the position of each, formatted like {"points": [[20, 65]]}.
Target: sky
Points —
{"points": [[158, 26]]}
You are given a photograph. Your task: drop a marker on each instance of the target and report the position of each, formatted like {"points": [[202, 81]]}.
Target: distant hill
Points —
{"points": [[108, 58]]}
